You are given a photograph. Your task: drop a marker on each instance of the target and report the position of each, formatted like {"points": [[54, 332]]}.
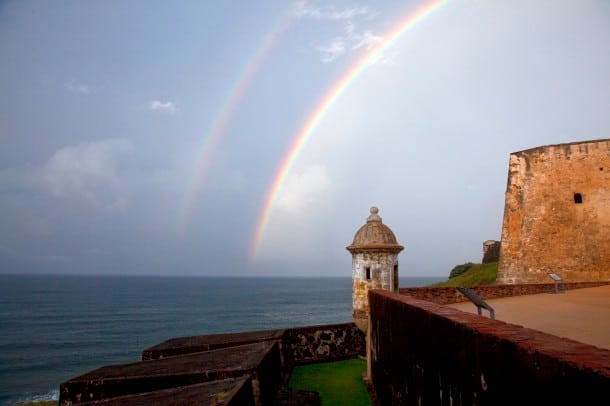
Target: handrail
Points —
{"points": [[478, 302]]}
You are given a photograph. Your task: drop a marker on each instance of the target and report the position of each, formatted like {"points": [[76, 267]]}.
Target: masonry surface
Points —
{"points": [[557, 214], [220, 369], [419, 351], [430, 354]]}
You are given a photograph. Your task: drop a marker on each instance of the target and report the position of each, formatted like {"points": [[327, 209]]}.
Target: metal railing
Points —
{"points": [[478, 302]]}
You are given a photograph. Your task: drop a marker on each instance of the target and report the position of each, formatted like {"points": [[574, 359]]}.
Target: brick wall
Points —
{"points": [[424, 353]]}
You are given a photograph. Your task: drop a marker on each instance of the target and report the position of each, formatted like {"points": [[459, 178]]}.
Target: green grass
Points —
{"points": [[477, 274], [338, 383]]}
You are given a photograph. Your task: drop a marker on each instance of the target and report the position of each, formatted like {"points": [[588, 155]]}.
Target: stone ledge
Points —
{"points": [[261, 361], [449, 295], [421, 349], [227, 392], [188, 345]]}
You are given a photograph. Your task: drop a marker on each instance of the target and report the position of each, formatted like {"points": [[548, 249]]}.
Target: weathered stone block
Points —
{"points": [[226, 392], [260, 361], [189, 345]]}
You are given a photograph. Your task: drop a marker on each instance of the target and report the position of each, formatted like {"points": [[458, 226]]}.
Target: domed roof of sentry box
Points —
{"points": [[374, 235]]}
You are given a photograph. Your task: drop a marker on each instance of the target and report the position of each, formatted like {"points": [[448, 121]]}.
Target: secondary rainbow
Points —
{"points": [[234, 96], [329, 99]]}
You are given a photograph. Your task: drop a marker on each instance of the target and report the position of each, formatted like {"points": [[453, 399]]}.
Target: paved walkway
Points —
{"points": [[580, 314]]}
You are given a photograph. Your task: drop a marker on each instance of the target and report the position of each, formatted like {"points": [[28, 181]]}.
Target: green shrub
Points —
{"points": [[476, 275], [459, 269]]}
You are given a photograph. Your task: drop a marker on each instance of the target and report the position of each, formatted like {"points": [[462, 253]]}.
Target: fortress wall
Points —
{"points": [[266, 378], [188, 345], [225, 392], [305, 345], [259, 361], [557, 214], [300, 345], [491, 251], [448, 295], [266, 357], [425, 353]]}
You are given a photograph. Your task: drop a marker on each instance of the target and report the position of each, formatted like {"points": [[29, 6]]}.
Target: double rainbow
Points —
{"points": [[234, 96], [329, 99]]}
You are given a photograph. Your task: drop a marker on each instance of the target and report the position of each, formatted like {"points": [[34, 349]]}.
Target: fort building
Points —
{"points": [[419, 350], [557, 214], [491, 251], [374, 264]]}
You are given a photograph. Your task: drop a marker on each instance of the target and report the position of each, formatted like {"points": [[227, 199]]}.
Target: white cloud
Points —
{"points": [[76, 87], [167, 106], [304, 188], [366, 40], [303, 10], [90, 172], [301, 216], [351, 40], [332, 51]]}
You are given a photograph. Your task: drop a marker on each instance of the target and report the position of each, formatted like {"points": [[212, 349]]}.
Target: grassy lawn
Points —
{"points": [[338, 383], [477, 274]]}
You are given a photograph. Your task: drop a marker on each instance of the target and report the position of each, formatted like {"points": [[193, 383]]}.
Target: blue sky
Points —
{"points": [[105, 106]]}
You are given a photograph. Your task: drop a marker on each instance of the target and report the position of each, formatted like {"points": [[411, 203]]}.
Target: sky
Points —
{"points": [[242, 138]]}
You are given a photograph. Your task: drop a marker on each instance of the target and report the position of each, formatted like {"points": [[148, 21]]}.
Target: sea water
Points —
{"points": [[53, 328]]}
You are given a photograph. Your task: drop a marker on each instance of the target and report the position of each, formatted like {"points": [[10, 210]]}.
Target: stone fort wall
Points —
{"points": [[557, 214], [422, 353], [426, 353]]}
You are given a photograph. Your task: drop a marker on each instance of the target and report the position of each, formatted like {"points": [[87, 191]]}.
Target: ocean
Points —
{"points": [[53, 328]]}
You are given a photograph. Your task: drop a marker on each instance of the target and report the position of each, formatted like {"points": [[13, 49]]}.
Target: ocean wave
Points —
{"points": [[52, 394]]}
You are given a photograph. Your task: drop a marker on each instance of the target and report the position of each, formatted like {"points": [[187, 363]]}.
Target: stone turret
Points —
{"points": [[491, 251], [374, 264]]}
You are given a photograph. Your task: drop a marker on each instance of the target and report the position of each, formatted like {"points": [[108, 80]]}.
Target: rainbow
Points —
{"points": [[234, 96], [329, 99]]}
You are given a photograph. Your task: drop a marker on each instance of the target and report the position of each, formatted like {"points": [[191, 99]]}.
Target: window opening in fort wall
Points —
{"points": [[557, 214]]}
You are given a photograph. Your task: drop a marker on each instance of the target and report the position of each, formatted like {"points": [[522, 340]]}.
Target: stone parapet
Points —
{"points": [[226, 392], [189, 345], [259, 361], [448, 295], [179, 367], [425, 353]]}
